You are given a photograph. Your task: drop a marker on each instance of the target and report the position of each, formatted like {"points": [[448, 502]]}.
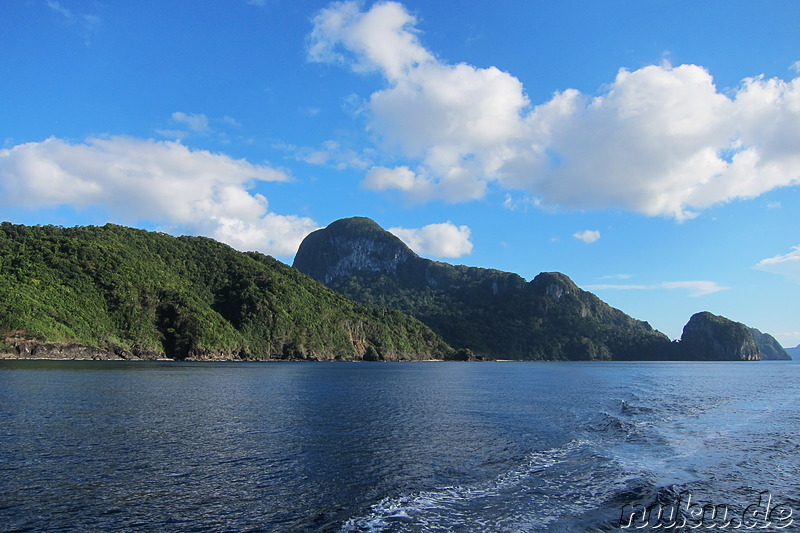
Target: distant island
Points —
{"points": [[794, 352], [356, 293]]}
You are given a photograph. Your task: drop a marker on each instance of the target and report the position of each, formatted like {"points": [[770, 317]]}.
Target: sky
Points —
{"points": [[648, 149]]}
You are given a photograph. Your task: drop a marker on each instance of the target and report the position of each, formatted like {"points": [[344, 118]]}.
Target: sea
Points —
{"points": [[399, 447]]}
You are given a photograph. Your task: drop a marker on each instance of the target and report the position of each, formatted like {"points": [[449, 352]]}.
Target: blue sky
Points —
{"points": [[648, 149]]}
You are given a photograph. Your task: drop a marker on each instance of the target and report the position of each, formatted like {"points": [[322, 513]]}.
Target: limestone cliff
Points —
{"points": [[711, 337], [348, 246], [491, 313], [769, 347]]}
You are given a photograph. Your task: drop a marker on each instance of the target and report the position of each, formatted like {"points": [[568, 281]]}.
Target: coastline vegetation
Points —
{"points": [[146, 294]]}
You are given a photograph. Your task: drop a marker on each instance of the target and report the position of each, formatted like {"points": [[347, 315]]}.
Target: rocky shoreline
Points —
{"points": [[26, 350], [18, 349]]}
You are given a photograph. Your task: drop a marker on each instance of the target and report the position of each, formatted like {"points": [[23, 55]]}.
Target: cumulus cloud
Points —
{"points": [[695, 288], [381, 39], [161, 182], [438, 240], [587, 236], [787, 265], [660, 140]]}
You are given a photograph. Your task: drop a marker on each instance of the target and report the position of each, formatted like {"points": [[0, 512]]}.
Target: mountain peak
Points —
{"points": [[491, 313], [350, 245]]}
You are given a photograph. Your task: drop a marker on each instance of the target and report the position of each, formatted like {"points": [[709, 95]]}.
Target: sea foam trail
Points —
{"points": [[549, 485]]}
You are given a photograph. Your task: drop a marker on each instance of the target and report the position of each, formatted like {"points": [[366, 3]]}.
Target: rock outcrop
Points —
{"points": [[712, 337], [490, 313], [349, 246], [769, 347]]}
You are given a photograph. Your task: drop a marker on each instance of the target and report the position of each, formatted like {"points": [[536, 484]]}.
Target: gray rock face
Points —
{"points": [[769, 348], [26, 349], [348, 246], [711, 337], [487, 312]]}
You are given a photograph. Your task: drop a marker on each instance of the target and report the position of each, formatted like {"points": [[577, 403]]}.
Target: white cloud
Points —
{"points": [[61, 10], [161, 182], [695, 288], [787, 265], [587, 236], [381, 39], [660, 140], [330, 153], [85, 23], [520, 204], [795, 66], [196, 122], [189, 123], [616, 276], [438, 240], [402, 178]]}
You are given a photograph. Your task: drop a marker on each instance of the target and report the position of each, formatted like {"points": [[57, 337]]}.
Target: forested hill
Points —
{"points": [[135, 293], [499, 315], [491, 313]]}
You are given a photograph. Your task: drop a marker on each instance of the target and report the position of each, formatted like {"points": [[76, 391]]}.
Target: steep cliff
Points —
{"points": [[492, 313], [769, 347], [712, 337]]}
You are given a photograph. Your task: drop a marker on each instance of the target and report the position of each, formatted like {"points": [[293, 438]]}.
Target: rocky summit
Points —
{"points": [[709, 336], [484, 312]]}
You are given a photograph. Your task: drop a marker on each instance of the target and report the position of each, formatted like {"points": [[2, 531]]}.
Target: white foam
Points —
{"points": [[444, 507]]}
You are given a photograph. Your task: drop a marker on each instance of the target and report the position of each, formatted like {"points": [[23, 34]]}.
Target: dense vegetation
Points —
{"points": [[710, 336], [148, 294], [491, 313]]}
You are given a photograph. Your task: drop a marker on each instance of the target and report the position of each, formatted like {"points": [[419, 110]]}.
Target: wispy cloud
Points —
{"points": [[787, 265], [524, 203], [86, 23], [330, 153], [679, 144], [56, 7], [617, 276], [185, 124], [695, 288], [196, 122]]}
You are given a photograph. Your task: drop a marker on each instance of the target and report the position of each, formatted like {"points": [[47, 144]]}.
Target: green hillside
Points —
{"points": [[148, 294], [492, 313]]}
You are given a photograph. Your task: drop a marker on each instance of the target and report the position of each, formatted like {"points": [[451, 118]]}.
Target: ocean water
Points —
{"points": [[399, 447]]}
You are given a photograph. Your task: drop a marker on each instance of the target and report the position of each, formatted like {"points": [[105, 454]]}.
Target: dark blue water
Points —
{"points": [[542, 447]]}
